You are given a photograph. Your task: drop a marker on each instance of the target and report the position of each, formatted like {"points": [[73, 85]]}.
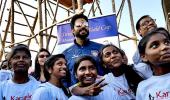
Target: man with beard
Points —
{"points": [[21, 86], [144, 25], [82, 45]]}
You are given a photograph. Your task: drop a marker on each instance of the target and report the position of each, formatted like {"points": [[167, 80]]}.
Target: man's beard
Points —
{"points": [[82, 36]]}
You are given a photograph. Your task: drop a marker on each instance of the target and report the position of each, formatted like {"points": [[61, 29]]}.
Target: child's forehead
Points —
{"points": [[20, 52], [112, 48], [157, 36], [161, 33]]}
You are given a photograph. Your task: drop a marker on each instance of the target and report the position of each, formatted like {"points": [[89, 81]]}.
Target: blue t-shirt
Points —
{"points": [[72, 53], [48, 91], [13, 91]]}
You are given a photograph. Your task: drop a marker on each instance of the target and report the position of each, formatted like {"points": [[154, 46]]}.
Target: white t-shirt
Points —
{"points": [[154, 88], [143, 69], [107, 93], [5, 75], [13, 91], [48, 91], [120, 86]]}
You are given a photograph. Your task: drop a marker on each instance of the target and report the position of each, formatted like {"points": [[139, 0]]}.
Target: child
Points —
{"points": [[39, 72], [21, 86], [154, 49], [53, 89], [121, 77], [86, 72]]}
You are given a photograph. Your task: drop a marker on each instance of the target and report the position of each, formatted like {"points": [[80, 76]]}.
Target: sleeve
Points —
{"points": [[136, 58], [41, 93], [143, 70], [139, 93], [1, 90], [76, 98]]}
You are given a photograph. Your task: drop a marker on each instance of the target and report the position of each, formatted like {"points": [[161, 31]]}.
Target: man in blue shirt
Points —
{"points": [[82, 45]]}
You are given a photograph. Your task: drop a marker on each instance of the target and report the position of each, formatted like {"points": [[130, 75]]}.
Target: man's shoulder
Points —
{"points": [[136, 57], [95, 43], [70, 48]]}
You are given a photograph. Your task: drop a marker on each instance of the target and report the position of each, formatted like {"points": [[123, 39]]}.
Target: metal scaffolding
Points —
{"points": [[32, 22]]}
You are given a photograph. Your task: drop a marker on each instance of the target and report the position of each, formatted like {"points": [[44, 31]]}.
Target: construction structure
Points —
{"points": [[33, 22], [166, 10]]}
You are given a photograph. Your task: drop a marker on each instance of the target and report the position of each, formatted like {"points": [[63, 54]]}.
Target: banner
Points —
{"points": [[99, 27]]}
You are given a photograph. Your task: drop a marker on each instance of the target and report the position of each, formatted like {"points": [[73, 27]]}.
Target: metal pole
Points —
{"points": [[131, 20], [12, 22], [80, 4], [40, 22]]}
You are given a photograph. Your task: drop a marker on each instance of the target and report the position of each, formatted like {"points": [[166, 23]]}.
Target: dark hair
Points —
{"points": [[138, 22], [110, 45], [106, 70], [37, 71], [74, 18], [82, 58], [3, 66], [145, 39], [49, 63], [19, 47], [132, 77]]}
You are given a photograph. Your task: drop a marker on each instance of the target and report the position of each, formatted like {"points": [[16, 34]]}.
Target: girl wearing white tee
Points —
{"points": [[154, 49], [53, 89], [86, 73], [121, 77]]}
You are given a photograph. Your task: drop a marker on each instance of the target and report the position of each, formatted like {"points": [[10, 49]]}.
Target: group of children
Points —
{"points": [[120, 82]]}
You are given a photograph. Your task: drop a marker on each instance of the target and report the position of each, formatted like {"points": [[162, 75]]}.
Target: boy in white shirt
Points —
{"points": [[21, 86]]}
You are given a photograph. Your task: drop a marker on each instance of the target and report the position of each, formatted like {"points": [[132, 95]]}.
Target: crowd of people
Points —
{"points": [[91, 71]]}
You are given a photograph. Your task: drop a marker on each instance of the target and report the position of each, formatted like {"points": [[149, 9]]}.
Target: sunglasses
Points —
{"points": [[146, 22], [82, 23], [42, 56]]}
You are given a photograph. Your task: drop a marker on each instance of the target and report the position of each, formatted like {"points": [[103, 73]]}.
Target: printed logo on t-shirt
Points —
{"points": [[160, 95], [94, 53], [74, 56], [123, 92], [27, 97]]}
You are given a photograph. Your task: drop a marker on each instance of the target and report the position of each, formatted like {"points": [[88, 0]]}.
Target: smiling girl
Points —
{"points": [[86, 73], [53, 89]]}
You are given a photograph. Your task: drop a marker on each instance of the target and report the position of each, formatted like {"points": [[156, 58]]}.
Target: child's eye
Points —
{"points": [[16, 57], [115, 52], [107, 54], [167, 42], [60, 64], [154, 45], [82, 68], [92, 67]]}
